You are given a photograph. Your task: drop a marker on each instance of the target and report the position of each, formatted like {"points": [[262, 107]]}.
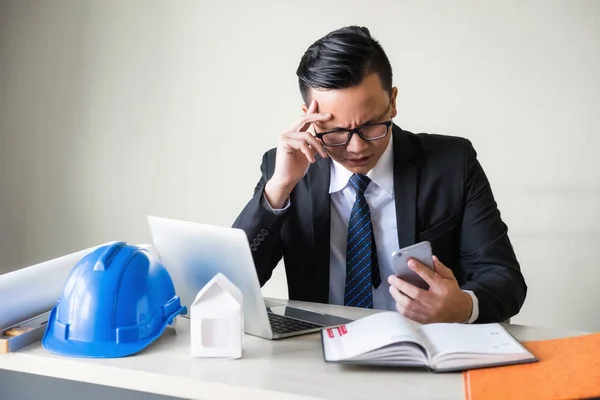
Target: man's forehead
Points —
{"points": [[345, 115], [351, 97]]}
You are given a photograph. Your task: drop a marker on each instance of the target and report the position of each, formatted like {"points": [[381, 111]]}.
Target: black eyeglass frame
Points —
{"points": [[356, 130]]}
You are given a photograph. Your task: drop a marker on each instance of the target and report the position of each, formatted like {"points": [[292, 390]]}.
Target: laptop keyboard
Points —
{"points": [[282, 325]]}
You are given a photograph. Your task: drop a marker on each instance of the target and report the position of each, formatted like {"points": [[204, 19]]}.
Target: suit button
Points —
{"points": [[260, 237], [253, 247], [256, 242], [264, 232]]}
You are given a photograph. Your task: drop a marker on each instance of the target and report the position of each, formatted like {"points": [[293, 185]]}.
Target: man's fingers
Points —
{"points": [[442, 270], [408, 289], [304, 122], [301, 124], [410, 308], [428, 275], [309, 139], [400, 297], [308, 152], [412, 315], [303, 146]]}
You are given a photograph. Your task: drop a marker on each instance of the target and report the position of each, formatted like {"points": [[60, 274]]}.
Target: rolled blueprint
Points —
{"points": [[31, 291]]}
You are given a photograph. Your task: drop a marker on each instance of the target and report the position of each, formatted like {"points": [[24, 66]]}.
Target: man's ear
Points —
{"points": [[393, 101], [306, 107]]}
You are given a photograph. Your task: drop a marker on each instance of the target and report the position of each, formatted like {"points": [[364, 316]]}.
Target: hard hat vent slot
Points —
{"points": [[107, 256]]}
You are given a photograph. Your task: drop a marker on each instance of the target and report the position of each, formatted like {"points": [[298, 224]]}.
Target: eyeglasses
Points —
{"points": [[368, 132]]}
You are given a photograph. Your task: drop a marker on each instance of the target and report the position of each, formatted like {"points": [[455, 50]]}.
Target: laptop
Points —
{"points": [[194, 253]]}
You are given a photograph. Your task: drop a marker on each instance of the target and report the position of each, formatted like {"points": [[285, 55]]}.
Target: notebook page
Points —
{"points": [[367, 334], [471, 339]]}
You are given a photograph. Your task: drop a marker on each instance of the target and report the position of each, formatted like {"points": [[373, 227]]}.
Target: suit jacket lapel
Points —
{"points": [[405, 188], [320, 205], [405, 194]]}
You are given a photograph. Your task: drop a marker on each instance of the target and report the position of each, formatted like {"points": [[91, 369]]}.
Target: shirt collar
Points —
{"points": [[382, 173]]}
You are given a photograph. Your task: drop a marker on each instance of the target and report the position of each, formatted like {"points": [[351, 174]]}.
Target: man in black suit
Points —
{"points": [[337, 202]]}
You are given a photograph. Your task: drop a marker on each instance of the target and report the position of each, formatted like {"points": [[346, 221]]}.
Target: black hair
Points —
{"points": [[342, 59]]}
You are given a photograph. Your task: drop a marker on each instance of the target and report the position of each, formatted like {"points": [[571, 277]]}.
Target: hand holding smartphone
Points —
{"points": [[419, 251]]}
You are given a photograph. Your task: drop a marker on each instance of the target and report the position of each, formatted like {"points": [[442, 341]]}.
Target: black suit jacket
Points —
{"points": [[442, 195]]}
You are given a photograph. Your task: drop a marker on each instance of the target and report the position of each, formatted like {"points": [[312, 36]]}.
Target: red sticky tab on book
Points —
{"points": [[330, 333], [342, 330]]}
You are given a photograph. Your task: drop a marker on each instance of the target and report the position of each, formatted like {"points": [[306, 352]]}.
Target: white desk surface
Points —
{"points": [[290, 368]]}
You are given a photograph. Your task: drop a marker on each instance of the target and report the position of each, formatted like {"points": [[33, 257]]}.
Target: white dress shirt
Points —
{"points": [[380, 198]]}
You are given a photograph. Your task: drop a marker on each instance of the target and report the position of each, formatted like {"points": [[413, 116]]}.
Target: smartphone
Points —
{"points": [[421, 252]]}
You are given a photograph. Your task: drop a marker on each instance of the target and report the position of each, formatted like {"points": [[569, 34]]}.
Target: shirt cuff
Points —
{"points": [[475, 311], [277, 211]]}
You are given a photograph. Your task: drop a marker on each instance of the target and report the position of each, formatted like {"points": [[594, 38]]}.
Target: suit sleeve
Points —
{"points": [[262, 226], [492, 270]]}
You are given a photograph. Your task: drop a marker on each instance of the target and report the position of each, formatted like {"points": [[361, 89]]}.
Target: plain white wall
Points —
{"points": [[113, 110], [11, 230]]}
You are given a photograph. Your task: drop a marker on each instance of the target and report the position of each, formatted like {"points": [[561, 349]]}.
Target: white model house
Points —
{"points": [[217, 320]]}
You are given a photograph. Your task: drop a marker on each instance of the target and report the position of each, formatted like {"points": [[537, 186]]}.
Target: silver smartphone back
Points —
{"points": [[419, 251]]}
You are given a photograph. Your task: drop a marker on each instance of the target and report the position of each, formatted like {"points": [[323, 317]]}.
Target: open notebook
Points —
{"points": [[387, 338]]}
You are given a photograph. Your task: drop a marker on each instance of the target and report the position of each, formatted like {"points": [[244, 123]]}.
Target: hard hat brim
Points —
{"points": [[73, 348]]}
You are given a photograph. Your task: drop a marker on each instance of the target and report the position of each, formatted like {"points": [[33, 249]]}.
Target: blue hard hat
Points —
{"points": [[117, 300]]}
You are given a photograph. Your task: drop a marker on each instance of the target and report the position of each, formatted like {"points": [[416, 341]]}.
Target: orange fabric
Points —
{"points": [[568, 368]]}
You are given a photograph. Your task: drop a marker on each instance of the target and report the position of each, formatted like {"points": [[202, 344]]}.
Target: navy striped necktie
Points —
{"points": [[362, 269]]}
